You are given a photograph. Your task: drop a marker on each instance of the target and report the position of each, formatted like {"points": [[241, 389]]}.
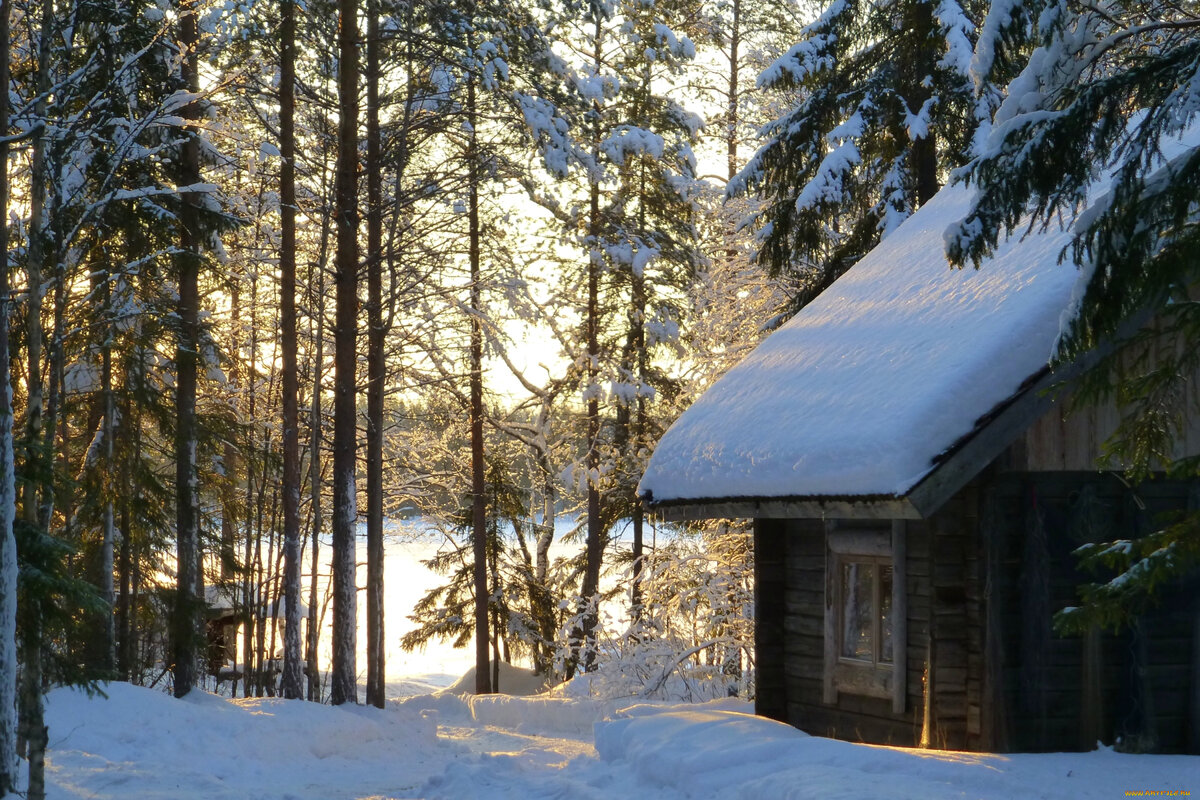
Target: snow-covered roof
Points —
{"points": [[862, 391]]}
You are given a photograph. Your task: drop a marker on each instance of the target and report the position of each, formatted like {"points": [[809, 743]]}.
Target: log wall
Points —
{"points": [[795, 572], [1136, 687], [984, 576]]}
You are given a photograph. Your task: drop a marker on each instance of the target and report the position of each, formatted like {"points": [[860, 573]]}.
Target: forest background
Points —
{"points": [[258, 311]]}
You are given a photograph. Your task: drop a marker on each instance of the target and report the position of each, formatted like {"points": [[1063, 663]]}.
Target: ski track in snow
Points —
{"points": [[141, 743]]}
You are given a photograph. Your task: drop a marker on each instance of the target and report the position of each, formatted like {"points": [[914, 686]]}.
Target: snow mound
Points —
{"points": [[154, 744], [538, 715], [514, 680], [703, 752], [140, 743]]}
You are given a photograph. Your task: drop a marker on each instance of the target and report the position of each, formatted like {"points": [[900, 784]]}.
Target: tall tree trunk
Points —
{"points": [[483, 682], [124, 624], [249, 594], [591, 576], [920, 24], [8, 544], [292, 677], [376, 370], [732, 109], [314, 468], [343, 687], [108, 633], [638, 439], [185, 628], [32, 732]]}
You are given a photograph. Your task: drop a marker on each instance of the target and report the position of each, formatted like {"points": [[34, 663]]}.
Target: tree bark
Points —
{"points": [[731, 123], [185, 626], [591, 576], [108, 633], [8, 544], [376, 371], [310, 655], [343, 675], [292, 677], [924, 150], [483, 682], [32, 733]]}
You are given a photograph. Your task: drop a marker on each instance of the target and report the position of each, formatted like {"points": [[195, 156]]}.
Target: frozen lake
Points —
{"points": [[407, 545]]}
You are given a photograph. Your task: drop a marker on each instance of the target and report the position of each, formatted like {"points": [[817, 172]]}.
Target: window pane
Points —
{"points": [[885, 613], [857, 610]]}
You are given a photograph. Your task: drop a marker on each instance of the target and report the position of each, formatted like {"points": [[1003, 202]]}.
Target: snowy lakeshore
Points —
{"points": [[141, 743]]}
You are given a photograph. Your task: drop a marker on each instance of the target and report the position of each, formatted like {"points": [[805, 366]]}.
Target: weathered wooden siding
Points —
{"points": [[1070, 439], [1064, 693], [956, 626], [985, 576], [771, 546], [795, 675]]}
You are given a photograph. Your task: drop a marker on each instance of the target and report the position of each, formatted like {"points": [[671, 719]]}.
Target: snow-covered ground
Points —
{"points": [[140, 743]]}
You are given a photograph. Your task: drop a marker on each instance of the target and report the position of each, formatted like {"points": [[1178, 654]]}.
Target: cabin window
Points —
{"points": [[866, 628], [864, 619]]}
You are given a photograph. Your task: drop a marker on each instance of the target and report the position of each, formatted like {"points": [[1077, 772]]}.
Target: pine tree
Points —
{"points": [[290, 682], [886, 106], [376, 365], [344, 676], [186, 622], [1108, 103]]}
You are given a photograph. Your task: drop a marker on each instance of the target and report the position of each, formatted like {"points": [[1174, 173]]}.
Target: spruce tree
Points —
{"points": [[652, 240], [886, 106], [1102, 121]]}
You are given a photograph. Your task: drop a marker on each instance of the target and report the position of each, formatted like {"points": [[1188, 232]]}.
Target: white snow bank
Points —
{"points": [[514, 680], [543, 715], [539, 715], [706, 753], [884, 371], [143, 743]]}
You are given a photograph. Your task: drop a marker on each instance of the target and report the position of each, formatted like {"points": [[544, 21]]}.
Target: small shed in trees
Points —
{"points": [[917, 495]]}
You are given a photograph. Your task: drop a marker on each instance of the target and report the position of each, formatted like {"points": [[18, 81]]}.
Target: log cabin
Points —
{"points": [[917, 490]]}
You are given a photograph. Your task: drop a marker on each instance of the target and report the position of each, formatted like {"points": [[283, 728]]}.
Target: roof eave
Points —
{"points": [[872, 507]]}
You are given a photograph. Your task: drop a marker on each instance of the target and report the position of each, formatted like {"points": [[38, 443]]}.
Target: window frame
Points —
{"points": [[880, 543]]}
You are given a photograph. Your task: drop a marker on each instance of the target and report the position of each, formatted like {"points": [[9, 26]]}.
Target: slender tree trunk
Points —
{"points": [[314, 630], [343, 676], [55, 421], [376, 370], [316, 479], [32, 733], [34, 263], [186, 621], [130, 574], [8, 544], [544, 600], [33, 726], [732, 112], [108, 544], [591, 576], [638, 439], [249, 596], [483, 683], [292, 678], [124, 608], [924, 150]]}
